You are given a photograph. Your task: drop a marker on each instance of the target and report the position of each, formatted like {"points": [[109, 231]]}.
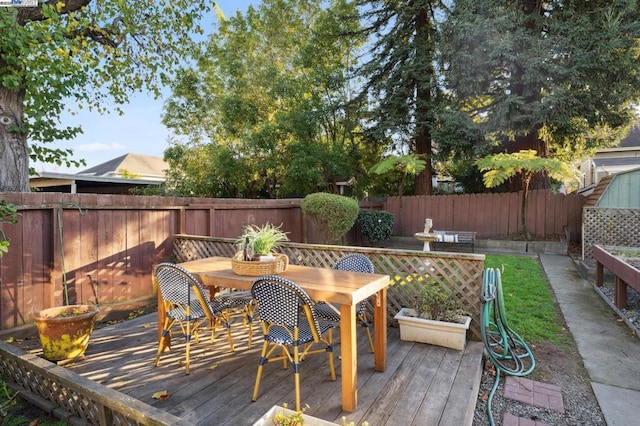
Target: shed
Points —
{"points": [[620, 190], [611, 213]]}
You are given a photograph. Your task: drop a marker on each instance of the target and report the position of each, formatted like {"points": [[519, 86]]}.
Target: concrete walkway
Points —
{"points": [[609, 351]]}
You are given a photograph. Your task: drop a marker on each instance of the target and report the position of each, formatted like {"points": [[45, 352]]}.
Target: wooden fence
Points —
{"points": [[106, 245], [490, 215]]}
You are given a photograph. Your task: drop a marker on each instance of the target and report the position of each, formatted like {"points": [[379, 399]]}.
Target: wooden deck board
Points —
{"points": [[422, 384]]}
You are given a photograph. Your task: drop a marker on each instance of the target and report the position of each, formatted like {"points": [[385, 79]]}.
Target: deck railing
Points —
{"points": [[458, 273], [79, 400]]}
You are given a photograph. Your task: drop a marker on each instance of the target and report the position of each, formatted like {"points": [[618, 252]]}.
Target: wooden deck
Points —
{"points": [[422, 385]]}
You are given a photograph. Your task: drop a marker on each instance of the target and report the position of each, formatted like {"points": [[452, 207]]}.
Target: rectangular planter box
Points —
{"points": [[267, 418], [448, 334]]}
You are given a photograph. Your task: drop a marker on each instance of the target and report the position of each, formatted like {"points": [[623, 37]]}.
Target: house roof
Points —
{"points": [[633, 138], [146, 166]]}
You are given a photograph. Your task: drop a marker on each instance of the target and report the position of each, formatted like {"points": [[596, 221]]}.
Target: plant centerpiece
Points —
{"points": [[435, 318], [64, 331], [256, 251]]}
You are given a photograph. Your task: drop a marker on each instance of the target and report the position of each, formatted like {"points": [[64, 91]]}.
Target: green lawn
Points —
{"points": [[529, 305]]}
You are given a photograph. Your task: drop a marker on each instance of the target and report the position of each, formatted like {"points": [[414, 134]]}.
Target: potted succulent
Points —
{"points": [[435, 318], [259, 241], [256, 251]]}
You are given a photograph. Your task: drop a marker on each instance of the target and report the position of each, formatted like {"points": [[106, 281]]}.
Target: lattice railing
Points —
{"points": [[86, 401], [458, 273], [609, 227]]}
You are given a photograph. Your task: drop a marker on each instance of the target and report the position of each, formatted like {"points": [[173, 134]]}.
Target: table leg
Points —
{"points": [[380, 330], [349, 357]]}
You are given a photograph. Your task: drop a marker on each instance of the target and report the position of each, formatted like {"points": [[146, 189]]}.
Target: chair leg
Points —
{"points": [[166, 333], [296, 375], [332, 369], [263, 357], [188, 346], [365, 323]]}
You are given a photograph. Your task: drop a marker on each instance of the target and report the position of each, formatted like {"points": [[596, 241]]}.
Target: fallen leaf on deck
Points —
{"points": [[147, 325], [10, 340], [213, 366], [160, 395]]}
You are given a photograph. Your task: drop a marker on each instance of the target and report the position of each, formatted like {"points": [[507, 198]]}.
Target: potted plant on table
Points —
{"points": [[435, 318], [256, 251]]}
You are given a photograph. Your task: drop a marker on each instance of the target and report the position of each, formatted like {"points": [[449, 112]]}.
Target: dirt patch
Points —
{"points": [[557, 365]]}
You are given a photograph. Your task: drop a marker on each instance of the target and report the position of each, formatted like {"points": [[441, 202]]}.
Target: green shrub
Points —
{"points": [[8, 214], [332, 214], [376, 225]]}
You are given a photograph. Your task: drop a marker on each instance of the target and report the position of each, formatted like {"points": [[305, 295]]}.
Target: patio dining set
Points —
{"points": [[298, 310]]}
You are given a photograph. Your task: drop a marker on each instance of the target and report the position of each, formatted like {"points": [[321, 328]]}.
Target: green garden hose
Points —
{"points": [[504, 347]]}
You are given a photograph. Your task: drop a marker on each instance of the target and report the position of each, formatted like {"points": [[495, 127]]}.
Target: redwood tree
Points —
{"points": [[557, 77]]}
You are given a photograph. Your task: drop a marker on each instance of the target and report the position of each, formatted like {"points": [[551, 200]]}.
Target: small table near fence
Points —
{"points": [[329, 285]]}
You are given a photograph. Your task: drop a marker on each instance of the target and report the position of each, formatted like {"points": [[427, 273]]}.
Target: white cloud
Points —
{"points": [[96, 146]]}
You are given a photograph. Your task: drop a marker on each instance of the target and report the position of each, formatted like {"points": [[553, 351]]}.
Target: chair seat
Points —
{"points": [[281, 336], [236, 298], [327, 313]]}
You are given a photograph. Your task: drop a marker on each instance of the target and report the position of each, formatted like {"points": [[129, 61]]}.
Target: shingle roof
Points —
{"points": [[147, 166]]}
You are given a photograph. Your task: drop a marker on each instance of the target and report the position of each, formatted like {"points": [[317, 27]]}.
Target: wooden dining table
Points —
{"points": [[321, 284]]}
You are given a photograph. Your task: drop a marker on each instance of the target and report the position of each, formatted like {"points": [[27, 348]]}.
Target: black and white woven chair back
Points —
{"points": [[354, 262], [281, 302], [179, 286]]}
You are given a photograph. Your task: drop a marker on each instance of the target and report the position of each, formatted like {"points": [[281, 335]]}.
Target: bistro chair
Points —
{"points": [[186, 303], [289, 322], [243, 302], [354, 262]]}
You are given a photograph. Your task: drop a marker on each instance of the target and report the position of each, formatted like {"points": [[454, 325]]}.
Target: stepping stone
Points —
{"points": [[534, 393]]}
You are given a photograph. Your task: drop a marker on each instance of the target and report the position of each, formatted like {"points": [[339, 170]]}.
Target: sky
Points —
{"points": [[138, 131]]}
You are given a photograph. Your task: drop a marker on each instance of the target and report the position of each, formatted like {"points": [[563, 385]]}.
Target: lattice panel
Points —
{"points": [[609, 226], [89, 402], [458, 273]]}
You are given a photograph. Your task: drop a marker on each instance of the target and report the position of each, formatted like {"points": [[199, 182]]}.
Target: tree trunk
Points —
{"points": [[14, 152], [422, 140]]}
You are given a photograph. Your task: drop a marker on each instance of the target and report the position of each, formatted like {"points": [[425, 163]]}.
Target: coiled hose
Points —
{"points": [[504, 347]]}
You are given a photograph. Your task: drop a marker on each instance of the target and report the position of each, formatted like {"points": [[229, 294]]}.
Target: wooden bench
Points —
{"points": [[453, 239]]}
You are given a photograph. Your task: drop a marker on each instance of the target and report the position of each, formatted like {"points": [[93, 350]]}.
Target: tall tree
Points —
{"points": [[400, 79], [557, 77], [91, 53], [272, 88]]}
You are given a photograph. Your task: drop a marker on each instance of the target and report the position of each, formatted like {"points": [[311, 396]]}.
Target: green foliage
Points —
{"points": [[332, 214], [560, 78], [525, 163], [435, 303], [376, 225], [63, 57], [266, 107], [528, 299], [16, 411], [261, 240], [8, 214]]}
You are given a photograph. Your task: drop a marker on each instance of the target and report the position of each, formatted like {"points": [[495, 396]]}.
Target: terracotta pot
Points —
{"points": [[65, 330]]}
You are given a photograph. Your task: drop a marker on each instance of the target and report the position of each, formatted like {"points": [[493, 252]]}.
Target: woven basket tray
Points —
{"points": [[256, 268]]}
